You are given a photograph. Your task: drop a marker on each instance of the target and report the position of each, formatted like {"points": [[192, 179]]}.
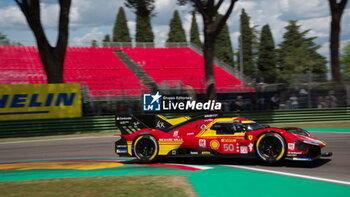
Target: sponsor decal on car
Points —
{"points": [[170, 139], [244, 149], [228, 140], [202, 143], [250, 147], [214, 144], [250, 137], [122, 151], [295, 153], [160, 125], [291, 146]]}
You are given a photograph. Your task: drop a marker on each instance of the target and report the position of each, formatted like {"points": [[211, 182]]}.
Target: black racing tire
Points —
{"points": [[145, 148], [270, 148]]}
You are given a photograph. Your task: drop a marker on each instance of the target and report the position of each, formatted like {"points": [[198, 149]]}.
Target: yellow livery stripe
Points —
{"points": [[174, 121], [129, 143]]}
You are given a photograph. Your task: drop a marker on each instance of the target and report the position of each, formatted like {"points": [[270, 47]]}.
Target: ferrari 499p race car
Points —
{"points": [[148, 137]]}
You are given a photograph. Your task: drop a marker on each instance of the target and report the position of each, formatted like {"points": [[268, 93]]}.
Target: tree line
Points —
{"points": [[261, 59]]}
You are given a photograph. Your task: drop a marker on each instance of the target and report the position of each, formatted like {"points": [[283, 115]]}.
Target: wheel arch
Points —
{"points": [[272, 131], [143, 134]]}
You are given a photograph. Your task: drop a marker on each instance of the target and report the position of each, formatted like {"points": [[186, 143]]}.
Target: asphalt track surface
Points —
{"points": [[336, 168]]}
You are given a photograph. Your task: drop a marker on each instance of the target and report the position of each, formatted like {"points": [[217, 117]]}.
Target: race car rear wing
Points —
{"points": [[128, 123]]}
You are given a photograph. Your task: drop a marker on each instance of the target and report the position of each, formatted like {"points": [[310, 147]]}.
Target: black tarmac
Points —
{"points": [[337, 167]]}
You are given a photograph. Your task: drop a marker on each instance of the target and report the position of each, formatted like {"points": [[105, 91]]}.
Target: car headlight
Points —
{"points": [[310, 142]]}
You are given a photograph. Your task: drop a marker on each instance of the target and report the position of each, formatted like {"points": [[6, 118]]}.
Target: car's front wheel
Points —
{"points": [[145, 148], [270, 147]]}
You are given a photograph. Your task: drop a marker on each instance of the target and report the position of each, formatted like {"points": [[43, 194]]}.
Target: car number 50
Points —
{"points": [[228, 147]]}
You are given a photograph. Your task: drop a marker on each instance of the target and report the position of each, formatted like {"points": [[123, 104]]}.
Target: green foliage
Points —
{"points": [[247, 37], [345, 61], [144, 31], [5, 41], [142, 7], [298, 54], [195, 32], [209, 10], [106, 38], [223, 45], [94, 43], [267, 56], [255, 47], [176, 32], [143, 10], [120, 29]]}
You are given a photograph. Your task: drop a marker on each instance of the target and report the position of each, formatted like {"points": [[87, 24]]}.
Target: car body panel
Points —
{"points": [[190, 136]]}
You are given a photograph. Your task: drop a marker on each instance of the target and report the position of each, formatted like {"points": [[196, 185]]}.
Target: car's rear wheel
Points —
{"points": [[270, 147], [145, 148]]}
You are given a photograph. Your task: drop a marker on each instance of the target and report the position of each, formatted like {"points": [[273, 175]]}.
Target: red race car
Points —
{"points": [[148, 137]]}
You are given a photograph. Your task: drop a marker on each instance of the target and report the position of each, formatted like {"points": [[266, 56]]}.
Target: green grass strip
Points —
{"points": [[223, 181], [125, 170]]}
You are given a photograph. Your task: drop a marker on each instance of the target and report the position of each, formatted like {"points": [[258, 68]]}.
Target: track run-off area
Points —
{"points": [[95, 157]]}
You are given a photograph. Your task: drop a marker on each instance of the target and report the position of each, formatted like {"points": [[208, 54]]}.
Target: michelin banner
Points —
{"points": [[40, 101]]}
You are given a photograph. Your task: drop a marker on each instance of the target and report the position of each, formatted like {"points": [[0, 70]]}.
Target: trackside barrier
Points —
{"points": [[300, 115], [43, 127]]}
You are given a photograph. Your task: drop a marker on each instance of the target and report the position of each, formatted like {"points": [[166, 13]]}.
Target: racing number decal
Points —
{"points": [[229, 147]]}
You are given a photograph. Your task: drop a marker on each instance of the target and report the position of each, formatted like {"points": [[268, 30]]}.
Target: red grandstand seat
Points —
{"points": [[181, 64], [99, 68]]}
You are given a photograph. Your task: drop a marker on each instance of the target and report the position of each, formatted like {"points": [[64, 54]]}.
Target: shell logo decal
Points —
{"points": [[214, 144]]}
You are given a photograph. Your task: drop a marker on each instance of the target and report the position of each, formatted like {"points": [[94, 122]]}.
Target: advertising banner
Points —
{"points": [[40, 101]]}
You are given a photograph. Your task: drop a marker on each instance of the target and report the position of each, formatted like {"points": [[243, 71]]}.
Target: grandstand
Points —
{"points": [[182, 64], [103, 73]]}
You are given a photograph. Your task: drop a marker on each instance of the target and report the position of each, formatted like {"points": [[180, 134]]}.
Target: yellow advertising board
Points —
{"points": [[39, 101]]}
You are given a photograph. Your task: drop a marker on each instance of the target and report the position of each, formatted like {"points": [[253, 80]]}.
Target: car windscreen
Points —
{"points": [[296, 131], [254, 126]]}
